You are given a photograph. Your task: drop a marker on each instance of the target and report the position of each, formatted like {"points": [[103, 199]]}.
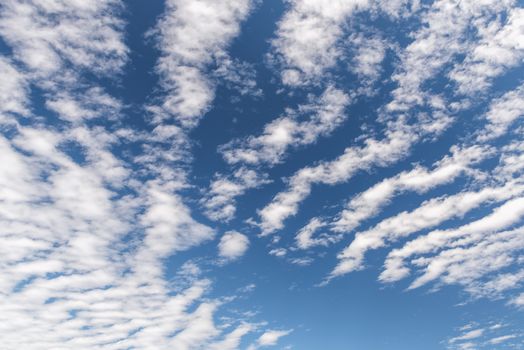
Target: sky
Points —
{"points": [[249, 174]]}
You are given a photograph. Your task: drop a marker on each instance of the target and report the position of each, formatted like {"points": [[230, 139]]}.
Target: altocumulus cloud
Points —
{"points": [[159, 164]]}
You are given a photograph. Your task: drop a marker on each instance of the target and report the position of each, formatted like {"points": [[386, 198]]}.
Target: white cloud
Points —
{"points": [[464, 264], [220, 200], [440, 39], [468, 335], [167, 233], [13, 90], [420, 61], [278, 252], [192, 35], [478, 336], [301, 261], [518, 300], [511, 161], [85, 234], [93, 103], [501, 339], [399, 9], [76, 285], [370, 52], [502, 113], [46, 35], [326, 113], [306, 39], [430, 214], [396, 144], [199, 329], [304, 237], [68, 278], [420, 179], [269, 338], [433, 46], [310, 38], [88, 223], [232, 245], [466, 253], [500, 48], [270, 148], [237, 75], [232, 340]]}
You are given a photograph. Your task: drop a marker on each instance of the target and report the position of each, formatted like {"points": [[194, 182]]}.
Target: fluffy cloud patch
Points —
{"points": [[232, 245]]}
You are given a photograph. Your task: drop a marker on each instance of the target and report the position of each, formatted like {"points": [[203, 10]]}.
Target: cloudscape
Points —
{"points": [[261, 174]]}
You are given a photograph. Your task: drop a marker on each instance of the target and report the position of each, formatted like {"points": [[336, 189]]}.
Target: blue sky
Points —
{"points": [[246, 174]]}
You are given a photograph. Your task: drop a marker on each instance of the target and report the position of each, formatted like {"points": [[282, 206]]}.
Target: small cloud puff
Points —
{"points": [[232, 245], [269, 338]]}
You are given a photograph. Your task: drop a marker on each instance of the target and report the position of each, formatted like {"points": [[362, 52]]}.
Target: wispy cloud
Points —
{"points": [[301, 127]]}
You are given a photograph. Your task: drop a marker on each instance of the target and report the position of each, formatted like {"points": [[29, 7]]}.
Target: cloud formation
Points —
{"points": [[120, 219], [192, 35], [232, 245]]}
